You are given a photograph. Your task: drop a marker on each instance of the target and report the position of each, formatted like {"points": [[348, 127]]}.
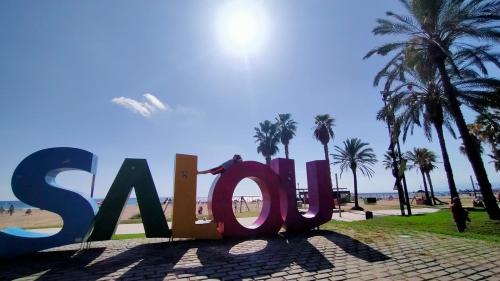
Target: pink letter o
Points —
{"points": [[220, 202]]}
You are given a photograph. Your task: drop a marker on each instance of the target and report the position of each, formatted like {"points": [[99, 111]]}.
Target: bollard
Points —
{"points": [[369, 215]]}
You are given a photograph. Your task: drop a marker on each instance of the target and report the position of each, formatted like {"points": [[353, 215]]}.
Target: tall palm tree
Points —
{"points": [[421, 159], [420, 101], [267, 138], [419, 95], [286, 129], [323, 131], [355, 155], [436, 30], [429, 167]]}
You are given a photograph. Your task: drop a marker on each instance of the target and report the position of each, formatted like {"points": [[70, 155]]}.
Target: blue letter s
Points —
{"points": [[33, 182]]}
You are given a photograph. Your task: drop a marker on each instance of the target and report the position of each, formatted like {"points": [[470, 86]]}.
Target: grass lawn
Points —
{"points": [[128, 236], [131, 221], [247, 214], [440, 222], [46, 226], [481, 227]]}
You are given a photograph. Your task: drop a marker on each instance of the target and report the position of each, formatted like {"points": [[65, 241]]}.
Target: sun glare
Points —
{"points": [[242, 27]]}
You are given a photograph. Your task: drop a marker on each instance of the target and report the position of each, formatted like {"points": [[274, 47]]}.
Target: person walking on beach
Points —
{"points": [[11, 209], [2, 210], [224, 166]]}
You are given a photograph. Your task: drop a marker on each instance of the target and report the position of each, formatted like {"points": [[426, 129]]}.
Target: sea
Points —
{"points": [[130, 202], [20, 205], [133, 201]]}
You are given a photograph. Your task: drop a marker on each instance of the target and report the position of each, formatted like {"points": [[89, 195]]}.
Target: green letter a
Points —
{"points": [[134, 173]]}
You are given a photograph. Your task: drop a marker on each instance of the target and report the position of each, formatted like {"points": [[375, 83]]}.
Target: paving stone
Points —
{"points": [[476, 277], [457, 275], [292, 276], [337, 278], [323, 255], [321, 275], [307, 278], [198, 278], [446, 278]]}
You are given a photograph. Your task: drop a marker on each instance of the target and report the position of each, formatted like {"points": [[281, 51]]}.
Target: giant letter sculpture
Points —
{"points": [[134, 173], [319, 192], [220, 200], [184, 213], [33, 182]]}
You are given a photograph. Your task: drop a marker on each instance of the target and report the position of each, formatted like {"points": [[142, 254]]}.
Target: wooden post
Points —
{"points": [[338, 194], [473, 187]]}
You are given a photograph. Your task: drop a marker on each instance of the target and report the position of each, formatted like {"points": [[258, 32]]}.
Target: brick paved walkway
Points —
{"points": [[320, 255]]}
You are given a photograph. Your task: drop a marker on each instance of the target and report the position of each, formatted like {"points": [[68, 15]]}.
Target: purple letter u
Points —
{"points": [[320, 195]]}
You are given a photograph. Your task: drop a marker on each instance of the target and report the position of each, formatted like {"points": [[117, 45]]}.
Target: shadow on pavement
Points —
{"points": [[228, 259], [239, 260], [352, 246], [46, 261], [155, 255]]}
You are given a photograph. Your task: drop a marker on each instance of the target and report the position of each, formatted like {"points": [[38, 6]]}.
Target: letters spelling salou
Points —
{"points": [[33, 182]]}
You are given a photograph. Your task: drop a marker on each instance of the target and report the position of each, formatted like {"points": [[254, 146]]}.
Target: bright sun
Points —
{"points": [[242, 27]]}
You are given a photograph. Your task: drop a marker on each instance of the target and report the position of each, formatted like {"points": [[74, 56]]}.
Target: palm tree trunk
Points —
{"points": [[427, 198], [325, 148], [268, 160], [356, 204], [403, 177], [471, 147], [405, 193], [446, 162], [395, 170], [286, 151], [456, 205], [431, 187]]}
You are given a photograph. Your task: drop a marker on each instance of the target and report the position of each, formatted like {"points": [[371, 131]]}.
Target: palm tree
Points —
{"points": [[419, 101], [486, 129], [355, 155], [387, 162], [419, 95], [286, 129], [421, 159], [323, 131], [268, 138], [428, 169], [436, 30]]}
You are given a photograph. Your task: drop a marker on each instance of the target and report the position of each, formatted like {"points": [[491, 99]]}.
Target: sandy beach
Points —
{"points": [[42, 218]]}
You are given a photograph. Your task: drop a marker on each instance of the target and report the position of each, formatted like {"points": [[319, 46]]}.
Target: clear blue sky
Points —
{"points": [[62, 63]]}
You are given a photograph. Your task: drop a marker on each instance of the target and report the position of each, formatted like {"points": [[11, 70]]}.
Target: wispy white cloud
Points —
{"points": [[154, 101], [145, 108], [133, 105]]}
